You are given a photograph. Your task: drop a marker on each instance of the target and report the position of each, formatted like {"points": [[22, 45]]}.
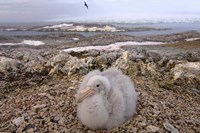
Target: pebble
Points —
{"points": [[170, 128], [18, 121], [153, 129], [39, 106], [29, 128]]}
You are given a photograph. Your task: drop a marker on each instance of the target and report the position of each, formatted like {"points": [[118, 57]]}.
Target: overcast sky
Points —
{"points": [[67, 10]]}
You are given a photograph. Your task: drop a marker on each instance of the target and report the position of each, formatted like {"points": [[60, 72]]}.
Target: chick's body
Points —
{"points": [[93, 113]]}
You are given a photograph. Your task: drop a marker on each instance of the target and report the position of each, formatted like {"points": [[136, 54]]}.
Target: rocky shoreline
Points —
{"points": [[82, 27], [38, 83]]}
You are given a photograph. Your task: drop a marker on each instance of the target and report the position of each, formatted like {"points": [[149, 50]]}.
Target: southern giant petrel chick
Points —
{"points": [[106, 99]]}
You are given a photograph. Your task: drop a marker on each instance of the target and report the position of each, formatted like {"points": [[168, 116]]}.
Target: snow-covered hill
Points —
{"points": [[79, 28]]}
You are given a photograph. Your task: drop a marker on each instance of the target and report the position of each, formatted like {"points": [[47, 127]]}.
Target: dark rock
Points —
{"points": [[192, 56], [28, 127]]}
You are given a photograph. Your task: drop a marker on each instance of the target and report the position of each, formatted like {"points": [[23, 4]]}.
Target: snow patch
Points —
{"points": [[78, 28], [2, 44], [10, 29], [58, 26], [114, 46], [32, 42], [26, 42], [191, 39], [75, 39]]}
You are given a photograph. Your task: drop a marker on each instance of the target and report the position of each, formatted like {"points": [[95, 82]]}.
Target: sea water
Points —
{"points": [[171, 28]]}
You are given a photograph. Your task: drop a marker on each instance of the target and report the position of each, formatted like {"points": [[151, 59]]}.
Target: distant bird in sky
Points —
{"points": [[85, 4]]}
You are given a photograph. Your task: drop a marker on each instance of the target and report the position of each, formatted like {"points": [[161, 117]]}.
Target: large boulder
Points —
{"points": [[9, 64], [192, 56], [187, 74], [65, 64], [75, 66], [123, 61]]}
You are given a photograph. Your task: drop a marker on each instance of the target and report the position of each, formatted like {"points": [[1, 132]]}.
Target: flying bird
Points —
{"points": [[85, 4], [106, 99]]}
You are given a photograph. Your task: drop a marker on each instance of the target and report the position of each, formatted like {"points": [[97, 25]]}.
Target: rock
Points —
{"points": [[153, 129], [111, 57], [75, 66], [61, 57], [171, 64], [55, 119], [102, 61], [147, 70], [93, 53], [123, 61], [170, 128], [64, 64], [35, 67], [91, 62], [39, 106], [138, 54], [29, 128], [18, 121], [9, 64], [163, 62], [153, 57], [186, 73], [141, 124], [192, 56], [54, 70]]}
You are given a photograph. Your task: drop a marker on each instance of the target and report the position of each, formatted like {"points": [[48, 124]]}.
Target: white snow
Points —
{"points": [[32, 42], [10, 43], [10, 29], [114, 46], [75, 39], [58, 26], [93, 29], [79, 28], [26, 42], [191, 39], [109, 28]]}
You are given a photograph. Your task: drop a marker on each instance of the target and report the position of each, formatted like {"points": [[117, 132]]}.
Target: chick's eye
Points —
{"points": [[97, 85]]}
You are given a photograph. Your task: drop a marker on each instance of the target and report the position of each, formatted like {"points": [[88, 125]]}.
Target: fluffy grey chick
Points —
{"points": [[106, 99]]}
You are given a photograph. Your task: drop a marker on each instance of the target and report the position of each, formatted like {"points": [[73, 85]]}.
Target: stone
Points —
{"points": [[75, 66], [18, 121], [39, 106], [54, 70], [186, 73], [9, 64], [139, 54], [102, 61], [192, 56], [29, 128], [170, 128], [61, 57], [153, 56], [153, 129], [123, 61]]}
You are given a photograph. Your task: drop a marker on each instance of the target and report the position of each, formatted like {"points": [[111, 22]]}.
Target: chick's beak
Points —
{"points": [[87, 92]]}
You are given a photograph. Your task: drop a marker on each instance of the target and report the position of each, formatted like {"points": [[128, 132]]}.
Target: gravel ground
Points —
{"points": [[51, 107]]}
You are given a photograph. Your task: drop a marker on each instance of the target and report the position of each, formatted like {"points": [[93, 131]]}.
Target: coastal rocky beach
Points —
{"points": [[38, 83]]}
